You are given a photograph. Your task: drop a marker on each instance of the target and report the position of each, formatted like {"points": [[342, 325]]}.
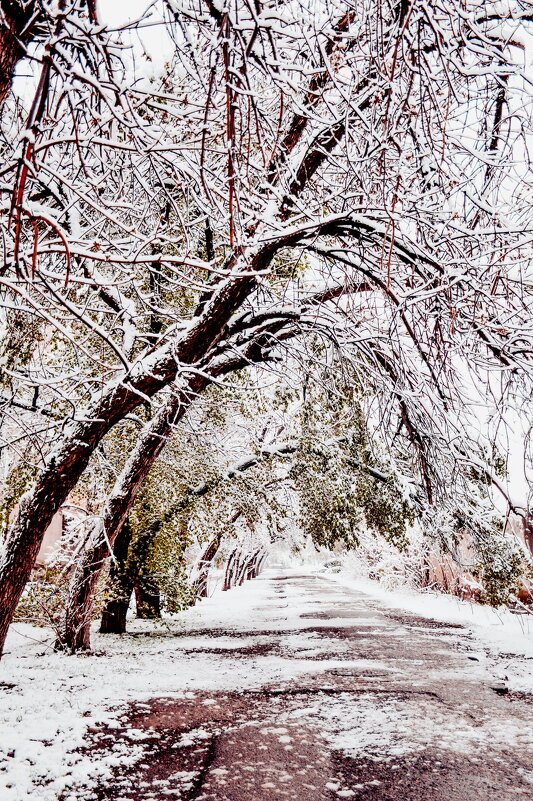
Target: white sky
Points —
{"points": [[150, 38]]}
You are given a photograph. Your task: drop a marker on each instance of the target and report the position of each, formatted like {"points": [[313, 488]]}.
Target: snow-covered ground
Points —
{"points": [[48, 701]]}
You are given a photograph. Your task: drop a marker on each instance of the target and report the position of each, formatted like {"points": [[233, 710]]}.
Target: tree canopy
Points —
{"points": [[339, 183]]}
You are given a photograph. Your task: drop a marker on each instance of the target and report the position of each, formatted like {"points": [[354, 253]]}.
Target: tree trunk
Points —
{"points": [[19, 23], [528, 531], [261, 563], [236, 570], [241, 573], [75, 630], [114, 616], [228, 577], [254, 567], [148, 599], [120, 586], [245, 568], [200, 582]]}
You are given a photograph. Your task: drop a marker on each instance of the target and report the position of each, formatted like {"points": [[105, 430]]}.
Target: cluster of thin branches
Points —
{"points": [[354, 174]]}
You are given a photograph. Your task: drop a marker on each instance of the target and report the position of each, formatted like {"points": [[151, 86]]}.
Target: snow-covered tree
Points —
{"points": [[355, 171]]}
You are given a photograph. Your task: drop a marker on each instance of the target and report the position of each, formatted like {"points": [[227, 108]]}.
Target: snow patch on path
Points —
{"points": [[378, 728]]}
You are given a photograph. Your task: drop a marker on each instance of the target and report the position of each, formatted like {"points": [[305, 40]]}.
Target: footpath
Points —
{"points": [[324, 693]]}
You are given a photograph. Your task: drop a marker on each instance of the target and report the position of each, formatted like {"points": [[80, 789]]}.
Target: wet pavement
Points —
{"points": [[370, 704]]}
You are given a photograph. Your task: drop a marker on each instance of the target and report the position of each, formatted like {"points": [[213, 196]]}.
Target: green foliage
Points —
{"points": [[385, 511], [499, 464], [24, 333], [156, 563], [155, 558], [329, 512], [500, 569], [495, 463], [337, 491], [18, 481], [45, 596], [500, 564], [286, 266], [337, 498]]}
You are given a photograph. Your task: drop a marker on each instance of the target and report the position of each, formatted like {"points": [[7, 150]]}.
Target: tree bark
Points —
{"points": [[61, 472], [120, 586], [200, 583], [243, 567], [236, 570], [19, 23], [75, 630], [114, 616]]}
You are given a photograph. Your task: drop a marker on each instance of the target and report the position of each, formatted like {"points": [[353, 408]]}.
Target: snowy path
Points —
{"points": [[325, 695], [293, 686]]}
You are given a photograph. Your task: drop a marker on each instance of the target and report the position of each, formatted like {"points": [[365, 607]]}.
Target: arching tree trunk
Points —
{"points": [[200, 582], [241, 575], [242, 571], [75, 630], [257, 563], [261, 562], [237, 570], [120, 586], [59, 476], [230, 569], [247, 567], [251, 573]]}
